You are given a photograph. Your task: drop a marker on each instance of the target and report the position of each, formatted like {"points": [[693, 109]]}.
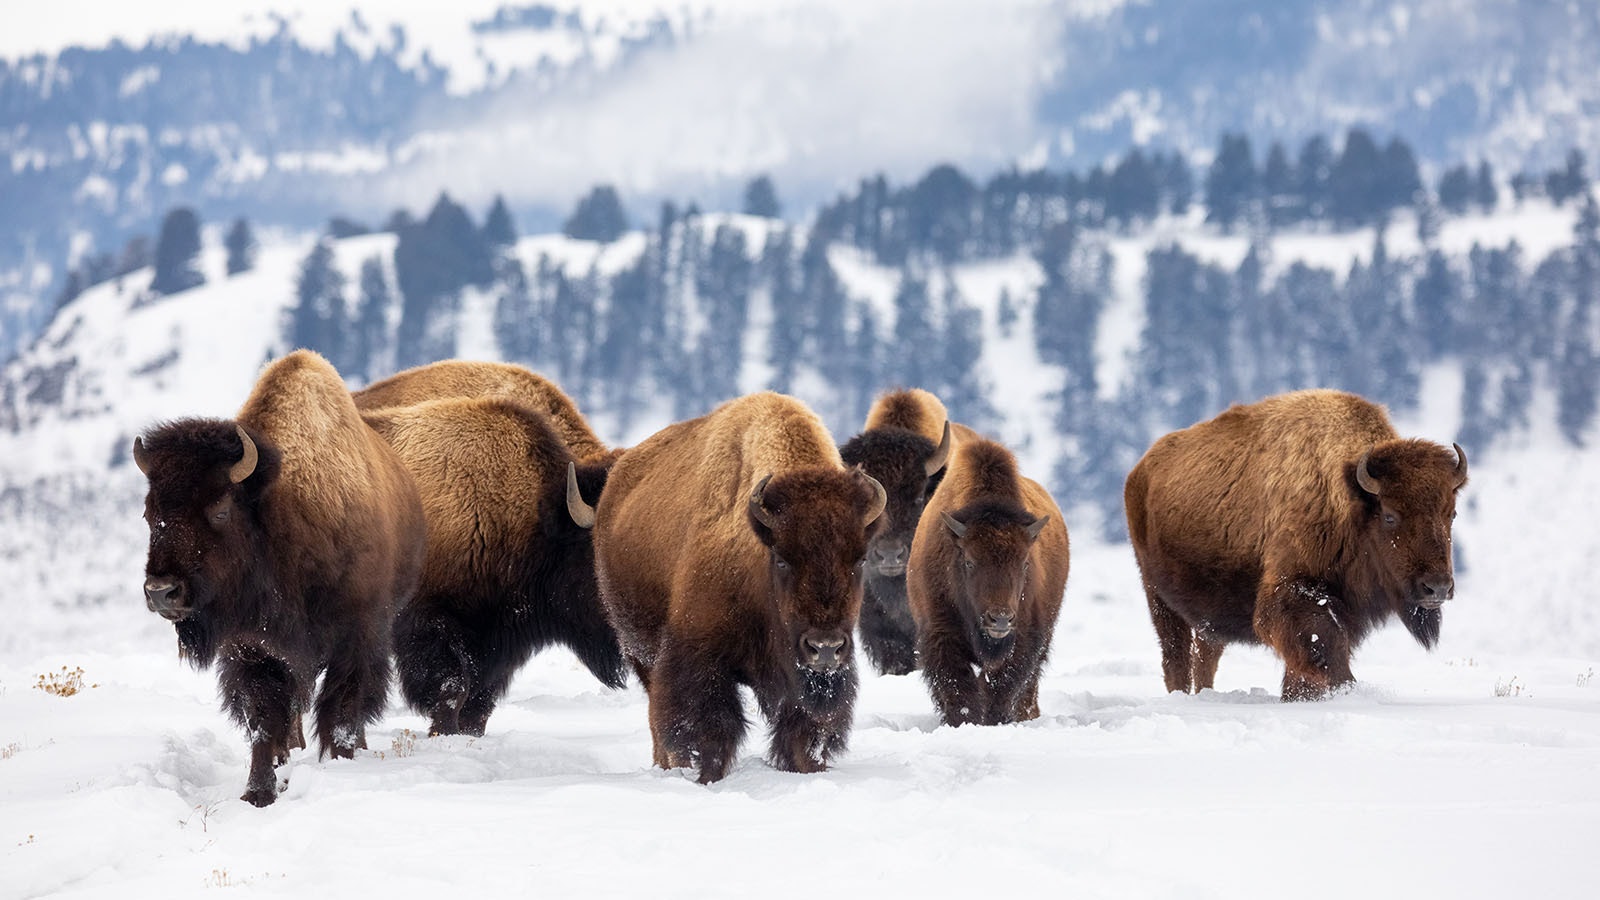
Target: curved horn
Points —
{"points": [[880, 499], [1036, 526], [1461, 465], [941, 454], [247, 463], [141, 456], [759, 509], [582, 513], [956, 528], [1365, 479]]}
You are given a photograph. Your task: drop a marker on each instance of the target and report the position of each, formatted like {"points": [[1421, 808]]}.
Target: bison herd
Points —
{"points": [[458, 517]]}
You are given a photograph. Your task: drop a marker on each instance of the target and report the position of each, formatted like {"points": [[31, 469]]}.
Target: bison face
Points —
{"points": [[1408, 494], [909, 466], [816, 525], [205, 479], [992, 543]]}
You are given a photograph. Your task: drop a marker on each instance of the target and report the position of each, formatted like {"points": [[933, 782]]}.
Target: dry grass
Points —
{"points": [[63, 683], [1511, 688], [405, 743], [10, 750], [1585, 677]]}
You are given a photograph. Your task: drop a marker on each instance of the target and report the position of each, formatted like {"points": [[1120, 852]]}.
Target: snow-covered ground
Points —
{"points": [[1470, 772]]}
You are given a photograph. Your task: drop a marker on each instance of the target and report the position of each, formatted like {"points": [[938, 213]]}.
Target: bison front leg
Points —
{"points": [[259, 692], [1295, 616], [947, 670], [695, 713]]}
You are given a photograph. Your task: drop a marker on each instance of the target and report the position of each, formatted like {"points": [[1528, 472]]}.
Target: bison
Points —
{"points": [[464, 378], [731, 550], [510, 564], [987, 574], [280, 543], [1301, 522], [905, 446]]}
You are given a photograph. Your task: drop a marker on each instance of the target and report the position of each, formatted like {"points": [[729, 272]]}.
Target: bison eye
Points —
{"points": [[779, 561], [968, 564], [1390, 519]]}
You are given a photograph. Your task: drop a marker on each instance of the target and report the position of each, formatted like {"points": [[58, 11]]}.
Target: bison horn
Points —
{"points": [[1365, 479], [581, 512], [1461, 465], [880, 499], [941, 454], [956, 528], [758, 508], [1036, 526], [141, 456], [241, 470]]}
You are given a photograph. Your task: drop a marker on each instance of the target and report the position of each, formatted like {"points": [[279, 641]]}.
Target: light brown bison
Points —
{"points": [[905, 446], [988, 570], [730, 550], [1300, 522], [510, 563], [465, 378], [280, 543]]}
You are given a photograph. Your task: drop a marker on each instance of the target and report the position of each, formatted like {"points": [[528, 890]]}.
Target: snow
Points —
{"points": [[1466, 772]]}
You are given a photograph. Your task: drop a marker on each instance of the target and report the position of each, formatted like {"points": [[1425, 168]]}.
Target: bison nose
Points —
{"points": [[1434, 590], [891, 557], [823, 652], [996, 625], [164, 597]]}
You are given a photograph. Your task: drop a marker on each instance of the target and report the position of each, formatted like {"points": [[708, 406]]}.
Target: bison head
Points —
{"points": [[1407, 494], [203, 508], [816, 524], [909, 466], [992, 542]]}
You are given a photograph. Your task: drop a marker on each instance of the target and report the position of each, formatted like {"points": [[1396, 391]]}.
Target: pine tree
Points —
{"points": [[317, 321], [1134, 193], [1279, 188], [241, 244], [1563, 184], [598, 217], [787, 336], [1436, 296], [499, 232], [1232, 184], [516, 316], [916, 340], [1399, 181], [1178, 184], [761, 199], [372, 351], [177, 253], [1356, 183], [1314, 171], [1456, 190], [1484, 193]]}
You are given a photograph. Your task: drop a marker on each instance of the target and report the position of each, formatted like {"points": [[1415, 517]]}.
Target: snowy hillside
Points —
{"points": [[1467, 772]]}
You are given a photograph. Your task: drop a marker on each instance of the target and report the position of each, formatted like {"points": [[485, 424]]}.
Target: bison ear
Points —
{"points": [[1037, 526], [950, 522]]}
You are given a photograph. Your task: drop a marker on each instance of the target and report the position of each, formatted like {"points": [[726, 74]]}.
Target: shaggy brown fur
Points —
{"points": [[1255, 527], [508, 572], [988, 570], [464, 378], [285, 565], [712, 583], [905, 448]]}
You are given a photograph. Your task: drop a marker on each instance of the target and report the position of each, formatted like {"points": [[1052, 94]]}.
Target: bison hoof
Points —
{"points": [[259, 797]]}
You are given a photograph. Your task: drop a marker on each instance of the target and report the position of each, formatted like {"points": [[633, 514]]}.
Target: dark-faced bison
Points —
{"points": [[280, 543], [988, 570], [905, 446], [510, 563], [731, 551], [1300, 522], [469, 379]]}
